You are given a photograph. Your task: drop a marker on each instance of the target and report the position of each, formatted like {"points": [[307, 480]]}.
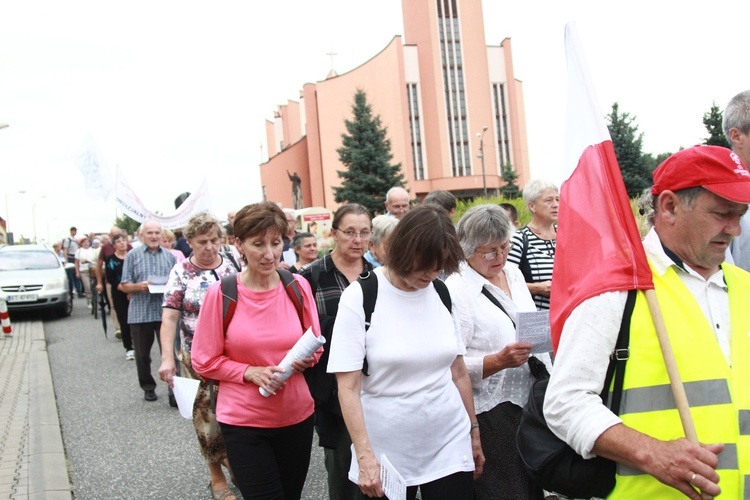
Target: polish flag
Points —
{"points": [[599, 247]]}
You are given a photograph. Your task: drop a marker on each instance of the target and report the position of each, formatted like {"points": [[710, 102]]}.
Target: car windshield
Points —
{"points": [[33, 259]]}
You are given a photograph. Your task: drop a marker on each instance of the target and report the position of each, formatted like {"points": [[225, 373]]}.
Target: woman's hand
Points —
{"points": [[264, 377], [303, 364], [369, 475], [542, 288], [476, 451], [99, 288], [514, 354]]}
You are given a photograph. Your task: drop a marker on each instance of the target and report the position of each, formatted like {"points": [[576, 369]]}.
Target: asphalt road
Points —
{"points": [[117, 444]]}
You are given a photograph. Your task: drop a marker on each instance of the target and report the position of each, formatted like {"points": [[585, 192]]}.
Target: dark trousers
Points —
{"points": [[457, 486], [143, 335], [121, 304], [74, 282], [338, 461], [269, 464]]}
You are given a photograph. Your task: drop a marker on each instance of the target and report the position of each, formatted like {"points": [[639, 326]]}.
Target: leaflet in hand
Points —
{"points": [[391, 481], [533, 327], [306, 346]]}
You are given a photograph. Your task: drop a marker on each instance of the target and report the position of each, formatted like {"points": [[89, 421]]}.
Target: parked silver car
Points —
{"points": [[32, 277]]}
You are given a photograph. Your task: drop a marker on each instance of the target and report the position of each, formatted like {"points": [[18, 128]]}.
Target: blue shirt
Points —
{"points": [[140, 264]]}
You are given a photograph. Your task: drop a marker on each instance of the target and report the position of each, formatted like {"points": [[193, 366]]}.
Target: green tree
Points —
{"points": [[126, 223], [654, 161], [510, 190], [628, 143], [712, 120], [366, 154]]}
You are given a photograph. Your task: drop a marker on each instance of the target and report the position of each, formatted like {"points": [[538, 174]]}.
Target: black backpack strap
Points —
{"points": [[369, 283], [230, 256], [445, 295], [315, 276], [229, 296], [621, 353], [294, 293]]}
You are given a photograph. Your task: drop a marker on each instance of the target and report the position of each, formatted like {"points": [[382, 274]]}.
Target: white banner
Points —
{"points": [[96, 176], [129, 202]]}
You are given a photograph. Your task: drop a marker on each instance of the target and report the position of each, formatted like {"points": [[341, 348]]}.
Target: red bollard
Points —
{"points": [[5, 320]]}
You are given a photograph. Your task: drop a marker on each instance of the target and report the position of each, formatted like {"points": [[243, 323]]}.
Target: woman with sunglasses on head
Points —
{"points": [[328, 277], [413, 402], [488, 293]]}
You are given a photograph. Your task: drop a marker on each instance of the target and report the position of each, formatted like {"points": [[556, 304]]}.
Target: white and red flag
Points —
{"points": [[599, 247]]}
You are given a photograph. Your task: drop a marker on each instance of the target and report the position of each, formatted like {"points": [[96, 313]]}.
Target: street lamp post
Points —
{"points": [[7, 214], [481, 156], [33, 215]]}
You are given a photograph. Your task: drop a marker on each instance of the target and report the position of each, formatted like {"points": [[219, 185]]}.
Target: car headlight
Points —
{"points": [[55, 284]]}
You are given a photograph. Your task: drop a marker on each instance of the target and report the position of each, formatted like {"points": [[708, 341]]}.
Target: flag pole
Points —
{"points": [[675, 380]]}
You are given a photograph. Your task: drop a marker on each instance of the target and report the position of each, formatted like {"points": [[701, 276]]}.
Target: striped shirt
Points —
{"points": [[141, 264], [536, 262]]}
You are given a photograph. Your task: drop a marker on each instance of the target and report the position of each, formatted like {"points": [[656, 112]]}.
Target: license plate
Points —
{"points": [[23, 297]]}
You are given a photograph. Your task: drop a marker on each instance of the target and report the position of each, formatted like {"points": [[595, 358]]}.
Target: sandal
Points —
{"points": [[225, 494]]}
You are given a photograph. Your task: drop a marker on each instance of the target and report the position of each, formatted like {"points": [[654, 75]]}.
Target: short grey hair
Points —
{"points": [[382, 227], [202, 223], [395, 189], [737, 114], [481, 225], [534, 189]]}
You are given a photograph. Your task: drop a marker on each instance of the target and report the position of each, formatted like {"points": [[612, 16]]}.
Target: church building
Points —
{"points": [[441, 92]]}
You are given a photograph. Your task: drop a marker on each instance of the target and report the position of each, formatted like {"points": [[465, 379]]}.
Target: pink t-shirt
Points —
{"points": [[264, 327]]}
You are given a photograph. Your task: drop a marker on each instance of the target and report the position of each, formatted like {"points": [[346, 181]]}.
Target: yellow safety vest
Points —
{"points": [[719, 396]]}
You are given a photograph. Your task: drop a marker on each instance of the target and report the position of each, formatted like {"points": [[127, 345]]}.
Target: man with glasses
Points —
{"points": [[397, 202]]}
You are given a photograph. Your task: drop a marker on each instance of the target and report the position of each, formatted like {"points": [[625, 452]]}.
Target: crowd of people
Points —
{"points": [[422, 364]]}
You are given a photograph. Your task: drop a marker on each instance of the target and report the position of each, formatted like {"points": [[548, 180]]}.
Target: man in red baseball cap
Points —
{"points": [[700, 194]]}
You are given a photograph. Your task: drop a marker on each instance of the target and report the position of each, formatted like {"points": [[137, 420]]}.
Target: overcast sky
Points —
{"points": [[173, 92]]}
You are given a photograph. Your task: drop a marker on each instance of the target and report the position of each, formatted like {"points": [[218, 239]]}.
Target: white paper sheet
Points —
{"points": [[289, 257], [533, 327], [157, 284], [185, 390], [305, 346], [393, 484]]}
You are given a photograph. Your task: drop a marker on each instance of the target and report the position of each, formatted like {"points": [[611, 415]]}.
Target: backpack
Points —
{"points": [[369, 284], [229, 292]]}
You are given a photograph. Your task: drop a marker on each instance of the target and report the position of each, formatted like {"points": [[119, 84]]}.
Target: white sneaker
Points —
{"points": [[130, 355]]}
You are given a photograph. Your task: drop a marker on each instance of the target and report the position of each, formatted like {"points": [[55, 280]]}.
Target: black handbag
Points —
{"points": [[549, 461]]}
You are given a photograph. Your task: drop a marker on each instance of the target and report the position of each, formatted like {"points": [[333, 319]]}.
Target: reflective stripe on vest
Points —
{"points": [[720, 406]]}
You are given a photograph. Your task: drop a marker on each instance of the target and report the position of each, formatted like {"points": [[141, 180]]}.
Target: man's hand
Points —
{"points": [[686, 467]]}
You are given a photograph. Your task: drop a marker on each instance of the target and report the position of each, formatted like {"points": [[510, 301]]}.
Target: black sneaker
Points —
{"points": [[172, 401], [150, 395]]}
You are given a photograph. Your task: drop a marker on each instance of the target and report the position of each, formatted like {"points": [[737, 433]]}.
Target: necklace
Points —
{"points": [[540, 233]]}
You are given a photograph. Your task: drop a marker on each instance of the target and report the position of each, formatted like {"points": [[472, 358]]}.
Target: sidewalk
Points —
{"points": [[32, 457]]}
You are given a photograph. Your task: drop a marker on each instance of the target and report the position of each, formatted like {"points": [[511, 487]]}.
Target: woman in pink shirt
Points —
{"points": [[268, 440]]}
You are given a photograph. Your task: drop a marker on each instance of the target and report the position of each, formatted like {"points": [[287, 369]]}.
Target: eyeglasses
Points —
{"points": [[350, 235], [493, 255]]}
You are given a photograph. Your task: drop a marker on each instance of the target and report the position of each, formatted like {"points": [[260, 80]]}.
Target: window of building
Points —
{"points": [[453, 80], [501, 124], [415, 129]]}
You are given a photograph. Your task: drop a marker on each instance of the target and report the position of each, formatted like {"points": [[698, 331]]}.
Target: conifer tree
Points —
{"points": [[510, 190], [366, 154], [713, 122], [628, 145]]}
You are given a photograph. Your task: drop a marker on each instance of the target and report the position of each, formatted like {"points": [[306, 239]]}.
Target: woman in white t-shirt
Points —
{"points": [[415, 404]]}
